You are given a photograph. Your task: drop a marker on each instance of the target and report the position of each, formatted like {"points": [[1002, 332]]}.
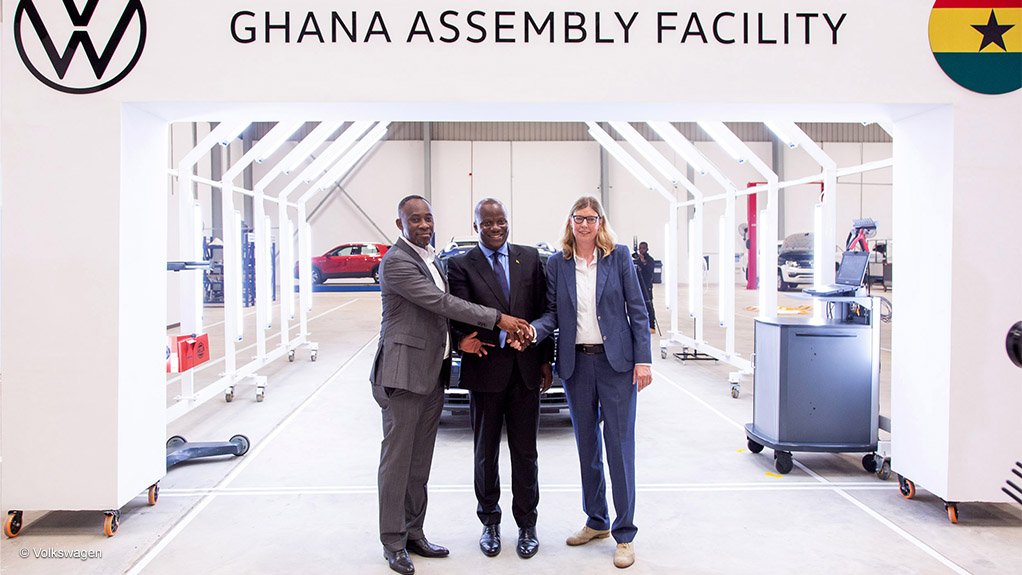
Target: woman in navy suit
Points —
{"points": [[604, 358]]}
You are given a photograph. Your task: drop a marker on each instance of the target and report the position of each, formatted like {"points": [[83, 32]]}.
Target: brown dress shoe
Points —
{"points": [[587, 534]]}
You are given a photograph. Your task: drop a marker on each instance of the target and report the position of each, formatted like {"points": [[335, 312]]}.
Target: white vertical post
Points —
{"points": [[304, 271], [672, 262], [263, 292], [231, 278]]}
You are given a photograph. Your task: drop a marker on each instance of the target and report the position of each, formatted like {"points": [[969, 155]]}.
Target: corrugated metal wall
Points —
{"points": [[577, 131]]}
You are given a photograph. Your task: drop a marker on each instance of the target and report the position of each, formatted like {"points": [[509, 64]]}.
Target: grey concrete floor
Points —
{"points": [[303, 499]]}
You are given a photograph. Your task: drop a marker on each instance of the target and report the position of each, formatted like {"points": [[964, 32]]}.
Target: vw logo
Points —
{"points": [[103, 43]]}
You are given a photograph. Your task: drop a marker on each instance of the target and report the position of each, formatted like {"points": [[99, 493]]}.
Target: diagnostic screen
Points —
{"points": [[852, 269]]}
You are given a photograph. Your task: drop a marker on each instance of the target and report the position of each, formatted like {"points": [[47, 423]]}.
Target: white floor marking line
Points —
{"points": [[836, 488], [245, 462], [268, 337], [367, 490]]}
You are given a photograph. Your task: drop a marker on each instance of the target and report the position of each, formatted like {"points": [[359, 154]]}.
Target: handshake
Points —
{"points": [[519, 336]]}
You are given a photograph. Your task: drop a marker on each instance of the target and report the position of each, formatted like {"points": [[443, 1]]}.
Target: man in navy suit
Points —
{"points": [[604, 358], [504, 384]]}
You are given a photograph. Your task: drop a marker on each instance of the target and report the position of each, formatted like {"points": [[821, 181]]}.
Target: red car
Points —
{"points": [[358, 260]]}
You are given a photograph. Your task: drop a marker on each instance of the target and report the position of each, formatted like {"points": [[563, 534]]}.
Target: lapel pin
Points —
{"points": [[518, 262]]}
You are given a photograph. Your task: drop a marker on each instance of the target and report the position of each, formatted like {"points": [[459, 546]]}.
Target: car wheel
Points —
{"points": [[317, 276], [781, 284], [376, 274]]}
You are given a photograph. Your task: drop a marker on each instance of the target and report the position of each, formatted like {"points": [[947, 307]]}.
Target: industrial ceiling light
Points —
{"points": [[308, 145], [680, 144], [350, 159], [647, 151], [783, 132], [274, 139], [334, 151], [619, 153], [725, 139]]}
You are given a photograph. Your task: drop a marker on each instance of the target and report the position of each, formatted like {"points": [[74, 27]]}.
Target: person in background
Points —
{"points": [[595, 300], [645, 264], [504, 384], [413, 361]]}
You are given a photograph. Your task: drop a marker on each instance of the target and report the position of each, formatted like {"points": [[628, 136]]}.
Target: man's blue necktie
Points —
{"points": [[498, 270]]}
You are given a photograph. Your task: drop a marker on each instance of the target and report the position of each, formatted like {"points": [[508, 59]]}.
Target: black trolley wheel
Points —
{"points": [[754, 447], [241, 442], [869, 462], [783, 462], [175, 441]]}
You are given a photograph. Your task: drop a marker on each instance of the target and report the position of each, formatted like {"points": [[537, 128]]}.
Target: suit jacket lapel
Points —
{"points": [[514, 267], [603, 266], [485, 268], [568, 272], [417, 260]]}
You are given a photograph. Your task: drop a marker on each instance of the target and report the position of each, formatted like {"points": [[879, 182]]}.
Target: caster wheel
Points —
{"points": [[176, 441], [12, 525], [884, 473], [242, 444], [229, 395], [952, 512], [154, 493], [907, 487], [260, 396], [313, 356], [782, 462], [291, 355], [754, 447], [110, 524], [663, 354], [735, 391], [869, 462]]}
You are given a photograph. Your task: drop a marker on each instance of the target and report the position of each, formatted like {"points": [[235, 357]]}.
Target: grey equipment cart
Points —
{"points": [[817, 383]]}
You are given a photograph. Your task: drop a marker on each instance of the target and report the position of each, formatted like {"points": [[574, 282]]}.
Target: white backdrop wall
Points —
{"points": [[956, 152]]}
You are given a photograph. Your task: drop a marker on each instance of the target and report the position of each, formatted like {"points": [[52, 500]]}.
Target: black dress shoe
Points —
{"points": [[528, 543], [399, 561], [424, 548], [489, 542]]}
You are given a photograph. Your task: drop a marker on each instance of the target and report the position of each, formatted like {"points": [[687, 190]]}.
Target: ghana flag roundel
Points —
{"points": [[978, 43]]}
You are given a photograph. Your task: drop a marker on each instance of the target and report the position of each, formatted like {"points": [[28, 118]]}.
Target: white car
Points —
{"points": [[795, 261]]}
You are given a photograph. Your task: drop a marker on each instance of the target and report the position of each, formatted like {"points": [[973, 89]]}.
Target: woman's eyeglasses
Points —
{"points": [[591, 220]]}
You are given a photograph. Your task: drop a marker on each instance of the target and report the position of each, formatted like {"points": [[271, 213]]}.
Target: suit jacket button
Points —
{"points": [[604, 338]]}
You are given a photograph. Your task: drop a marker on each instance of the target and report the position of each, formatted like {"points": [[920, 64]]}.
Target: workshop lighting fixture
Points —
{"points": [[228, 131], [783, 133], [725, 273], [239, 274], [274, 139], [335, 151], [264, 294], [680, 144], [647, 151], [345, 164], [603, 138], [287, 263], [308, 145], [693, 286], [305, 258], [725, 139]]}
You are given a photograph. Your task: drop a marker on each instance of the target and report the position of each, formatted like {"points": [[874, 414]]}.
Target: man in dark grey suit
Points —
{"points": [[411, 365]]}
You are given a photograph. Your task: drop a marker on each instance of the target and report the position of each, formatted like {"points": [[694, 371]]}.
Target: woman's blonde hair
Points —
{"points": [[604, 236]]}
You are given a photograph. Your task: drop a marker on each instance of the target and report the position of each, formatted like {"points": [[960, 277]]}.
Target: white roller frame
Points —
{"points": [[190, 247], [649, 182], [189, 399], [674, 175], [234, 256], [726, 314], [294, 158], [825, 235]]}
